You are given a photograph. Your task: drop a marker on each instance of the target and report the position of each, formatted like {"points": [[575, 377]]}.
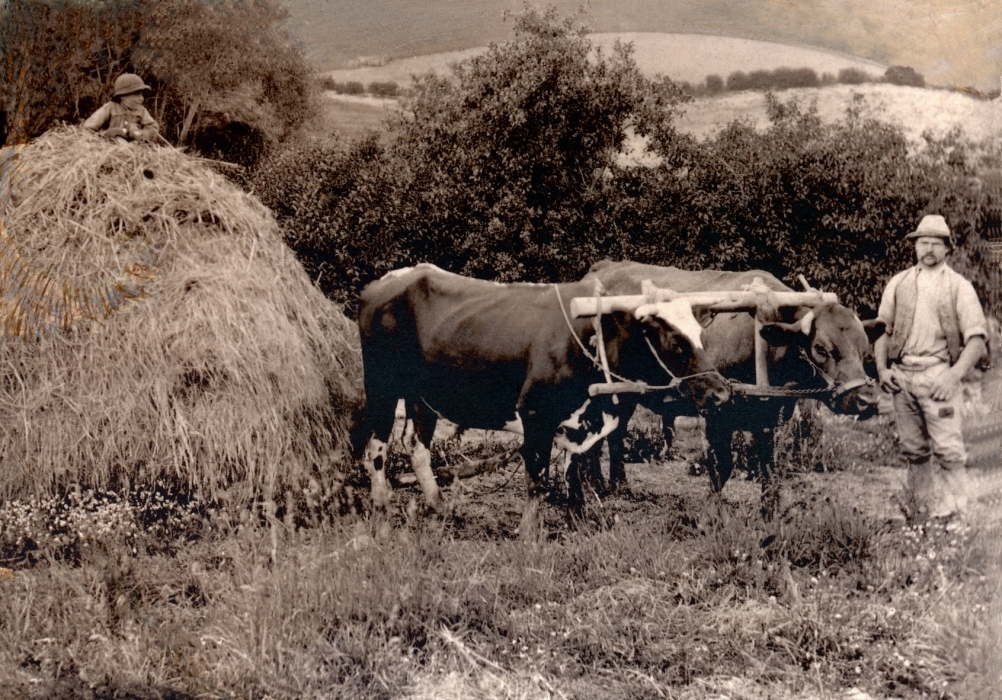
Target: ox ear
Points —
{"points": [[874, 329], [783, 334]]}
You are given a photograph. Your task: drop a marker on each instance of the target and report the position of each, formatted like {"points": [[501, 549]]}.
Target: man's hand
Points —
{"points": [[115, 133], [945, 385], [888, 382]]}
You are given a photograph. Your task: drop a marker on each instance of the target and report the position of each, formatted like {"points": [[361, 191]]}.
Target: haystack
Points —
{"points": [[156, 326]]}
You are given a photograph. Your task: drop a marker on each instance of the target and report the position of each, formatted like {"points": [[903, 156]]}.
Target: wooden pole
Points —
{"points": [[712, 301], [761, 358]]}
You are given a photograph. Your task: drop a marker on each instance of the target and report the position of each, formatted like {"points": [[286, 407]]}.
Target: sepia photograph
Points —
{"points": [[500, 350]]}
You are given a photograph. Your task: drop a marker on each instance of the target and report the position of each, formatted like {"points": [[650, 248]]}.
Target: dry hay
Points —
{"points": [[155, 325]]}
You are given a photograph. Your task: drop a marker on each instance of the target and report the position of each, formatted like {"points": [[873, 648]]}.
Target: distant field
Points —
{"points": [[351, 117], [689, 57], [915, 109]]}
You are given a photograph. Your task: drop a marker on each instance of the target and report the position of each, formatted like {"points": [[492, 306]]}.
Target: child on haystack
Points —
{"points": [[125, 117]]}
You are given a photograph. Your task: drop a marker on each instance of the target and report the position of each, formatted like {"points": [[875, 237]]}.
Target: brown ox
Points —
{"points": [[484, 355]]}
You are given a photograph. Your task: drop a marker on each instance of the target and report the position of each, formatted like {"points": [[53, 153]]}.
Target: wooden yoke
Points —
{"points": [[752, 298]]}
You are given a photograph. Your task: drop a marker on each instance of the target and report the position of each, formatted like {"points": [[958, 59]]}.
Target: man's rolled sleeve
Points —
{"points": [[970, 315]]}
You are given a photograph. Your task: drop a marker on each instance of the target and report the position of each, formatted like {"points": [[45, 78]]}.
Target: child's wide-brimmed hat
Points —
{"points": [[128, 83]]}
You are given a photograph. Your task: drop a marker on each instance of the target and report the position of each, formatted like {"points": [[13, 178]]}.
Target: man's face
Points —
{"points": [[133, 101], [931, 250]]}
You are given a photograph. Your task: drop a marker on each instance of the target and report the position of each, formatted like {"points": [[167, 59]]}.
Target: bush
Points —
{"points": [[714, 84], [785, 78], [779, 79], [352, 87], [903, 75], [853, 76], [388, 89], [332, 204]]}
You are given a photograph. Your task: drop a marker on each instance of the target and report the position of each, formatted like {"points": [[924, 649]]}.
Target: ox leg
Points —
{"points": [[764, 454], [536, 446], [617, 449], [374, 461], [719, 458], [417, 437], [372, 436]]}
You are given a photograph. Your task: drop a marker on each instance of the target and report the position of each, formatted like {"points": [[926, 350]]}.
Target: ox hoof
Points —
{"points": [[439, 509], [620, 487]]}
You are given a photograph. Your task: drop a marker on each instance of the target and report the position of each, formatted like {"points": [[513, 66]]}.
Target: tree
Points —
{"points": [[58, 60], [903, 75], [219, 62], [225, 58], [508, 169]]}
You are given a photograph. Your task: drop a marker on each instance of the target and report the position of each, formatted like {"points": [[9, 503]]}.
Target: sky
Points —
{"points": [[951, 42]]}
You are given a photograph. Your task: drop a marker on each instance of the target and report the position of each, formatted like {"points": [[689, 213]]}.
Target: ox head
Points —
{"points": [[835, 343], [674, 340]]}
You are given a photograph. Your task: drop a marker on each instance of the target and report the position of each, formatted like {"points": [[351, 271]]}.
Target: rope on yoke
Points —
{"points": [[658, 358], [570, 327], [597, 323]]}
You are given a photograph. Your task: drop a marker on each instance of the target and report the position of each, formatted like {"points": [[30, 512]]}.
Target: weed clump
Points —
{"points": [[150, 519]]}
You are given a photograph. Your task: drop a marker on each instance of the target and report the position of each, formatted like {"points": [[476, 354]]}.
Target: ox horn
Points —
{"points": [[806, 323], [645, 311]]}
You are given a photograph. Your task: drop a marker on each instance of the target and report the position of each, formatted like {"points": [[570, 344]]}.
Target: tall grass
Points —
{"points": [[678, 592]]}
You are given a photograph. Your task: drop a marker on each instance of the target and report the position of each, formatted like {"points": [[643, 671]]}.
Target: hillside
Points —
{"points": [[915, 109], [688, 57], [950, 42]]}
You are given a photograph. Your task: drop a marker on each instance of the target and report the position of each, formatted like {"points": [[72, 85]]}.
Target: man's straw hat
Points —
{"points": [[933, 225]]}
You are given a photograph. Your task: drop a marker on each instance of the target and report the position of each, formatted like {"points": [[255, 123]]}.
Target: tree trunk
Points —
{"points": [[188, 119]]}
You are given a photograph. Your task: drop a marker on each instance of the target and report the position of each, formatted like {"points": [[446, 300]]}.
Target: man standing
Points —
{"points": [[935, 334]]}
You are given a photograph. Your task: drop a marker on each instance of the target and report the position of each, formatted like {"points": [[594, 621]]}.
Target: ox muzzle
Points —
{"points": [[857, 397], [705, 389]]}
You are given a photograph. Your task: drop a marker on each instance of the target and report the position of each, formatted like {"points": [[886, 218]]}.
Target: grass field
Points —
{"points": [[659, 593], [689, 57], [916, 110]]}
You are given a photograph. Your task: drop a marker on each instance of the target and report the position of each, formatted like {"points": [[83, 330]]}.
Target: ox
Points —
{"points": [[827, 347], [499, 356]]}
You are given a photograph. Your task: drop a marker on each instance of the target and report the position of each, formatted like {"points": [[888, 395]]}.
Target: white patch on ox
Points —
{"points": [[515, 425], [574, 421], [677, 314], [421, 464], [609, 423]]}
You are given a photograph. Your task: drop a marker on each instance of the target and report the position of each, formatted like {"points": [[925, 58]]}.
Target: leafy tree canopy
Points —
{"points": [[209, 62]]}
